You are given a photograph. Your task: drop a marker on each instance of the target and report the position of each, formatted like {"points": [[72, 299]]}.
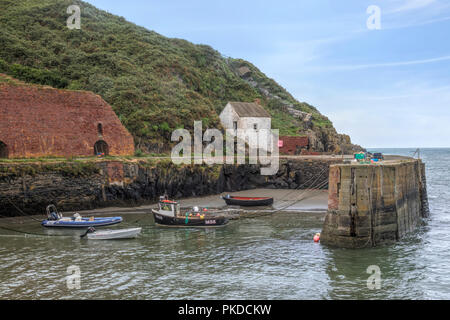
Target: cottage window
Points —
{"points": [[255, 126], [235, 125]]}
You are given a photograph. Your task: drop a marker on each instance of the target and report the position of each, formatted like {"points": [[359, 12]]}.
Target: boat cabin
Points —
{"points": [[169, 208]]}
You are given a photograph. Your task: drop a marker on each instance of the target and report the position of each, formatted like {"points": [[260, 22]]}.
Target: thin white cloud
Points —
{"points": [[409, 5], [381, 65], [415, 24], [415, 92], [413, 13]]}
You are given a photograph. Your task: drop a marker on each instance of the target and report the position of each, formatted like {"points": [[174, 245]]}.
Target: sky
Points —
{"points": [[385, 87]]}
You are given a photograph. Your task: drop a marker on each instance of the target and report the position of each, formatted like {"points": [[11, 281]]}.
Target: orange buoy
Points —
{"points": [[317, 237]]}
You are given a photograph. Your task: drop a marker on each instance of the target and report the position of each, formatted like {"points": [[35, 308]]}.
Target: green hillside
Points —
{"points": [[155, 84]]}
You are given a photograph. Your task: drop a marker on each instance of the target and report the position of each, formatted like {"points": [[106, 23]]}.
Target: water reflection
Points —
{"points": [[270, 257], [401, 274]]}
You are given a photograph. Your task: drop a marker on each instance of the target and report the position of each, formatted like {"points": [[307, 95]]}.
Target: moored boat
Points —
{"points": [[248, 201], [56, 220], [116, 234], [169, 215]]}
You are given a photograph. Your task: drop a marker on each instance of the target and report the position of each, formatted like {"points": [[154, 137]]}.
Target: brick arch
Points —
{"points": [[4, 153], [101, 147]]}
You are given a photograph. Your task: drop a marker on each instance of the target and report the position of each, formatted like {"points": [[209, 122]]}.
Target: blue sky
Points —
{"points": [[385, 88]]}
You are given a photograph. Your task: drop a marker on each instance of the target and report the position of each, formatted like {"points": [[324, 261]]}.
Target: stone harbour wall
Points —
{"points": [[78, 185], [372, 204]]}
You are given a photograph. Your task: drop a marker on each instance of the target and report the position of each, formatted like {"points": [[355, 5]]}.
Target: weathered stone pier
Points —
{"points": [[372, 204]]}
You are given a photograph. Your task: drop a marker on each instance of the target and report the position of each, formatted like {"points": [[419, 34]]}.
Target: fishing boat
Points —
{"points": [[117, 234], [247, 201], [169, 215], [56, 220]]}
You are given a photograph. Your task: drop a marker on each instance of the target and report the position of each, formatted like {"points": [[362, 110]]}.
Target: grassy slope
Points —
{"points": [[155, 84]]}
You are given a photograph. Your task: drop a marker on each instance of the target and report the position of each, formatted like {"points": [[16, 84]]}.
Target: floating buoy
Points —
{"points": [[317, 237]]}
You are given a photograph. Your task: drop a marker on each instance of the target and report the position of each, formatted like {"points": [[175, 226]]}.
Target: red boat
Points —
{"points": [[247, 201]]}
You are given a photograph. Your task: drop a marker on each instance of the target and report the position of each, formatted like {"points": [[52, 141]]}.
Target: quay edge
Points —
{"points": [[374, 204]]}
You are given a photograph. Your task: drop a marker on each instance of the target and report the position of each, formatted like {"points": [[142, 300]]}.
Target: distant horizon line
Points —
{"points": [[407, 148]]}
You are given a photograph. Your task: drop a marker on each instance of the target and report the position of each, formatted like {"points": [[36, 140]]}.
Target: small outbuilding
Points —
{"points": [[245, 115], [292, 145]]}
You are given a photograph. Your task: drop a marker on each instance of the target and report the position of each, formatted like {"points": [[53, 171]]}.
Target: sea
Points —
{"points": [[267, 257]]}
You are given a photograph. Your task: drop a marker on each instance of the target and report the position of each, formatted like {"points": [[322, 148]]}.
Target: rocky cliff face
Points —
{"points": [[77, 186]]}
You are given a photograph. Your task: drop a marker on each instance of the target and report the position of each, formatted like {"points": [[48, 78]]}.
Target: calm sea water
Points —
{"points": [[264, 258]]}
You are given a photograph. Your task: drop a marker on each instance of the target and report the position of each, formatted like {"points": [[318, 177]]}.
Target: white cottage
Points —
{"points": [[245, 115]]}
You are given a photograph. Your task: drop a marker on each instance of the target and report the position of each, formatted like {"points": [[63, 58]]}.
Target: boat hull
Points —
{"points": [[163, 220], [248, 201], [84, 223], [115, 234]]}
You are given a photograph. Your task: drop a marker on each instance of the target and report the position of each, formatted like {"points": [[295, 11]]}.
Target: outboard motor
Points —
{"points": [[52, 213], [89, 230]]}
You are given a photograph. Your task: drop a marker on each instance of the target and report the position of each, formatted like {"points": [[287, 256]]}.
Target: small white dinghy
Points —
{"points": [[116, 234]]}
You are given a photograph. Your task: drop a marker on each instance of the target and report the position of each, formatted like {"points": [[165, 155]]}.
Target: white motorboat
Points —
{"points": [[112, 234]]}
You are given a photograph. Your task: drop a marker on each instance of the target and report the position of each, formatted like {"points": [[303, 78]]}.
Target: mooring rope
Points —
{"points": [[317, 188], [20, 211], [34, 233]]}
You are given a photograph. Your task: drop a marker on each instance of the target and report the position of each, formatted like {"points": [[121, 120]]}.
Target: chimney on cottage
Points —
{"points": [[258, 101]]}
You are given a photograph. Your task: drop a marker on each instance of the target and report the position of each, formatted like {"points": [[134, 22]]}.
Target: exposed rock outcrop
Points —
{"points": [[75, 186]]}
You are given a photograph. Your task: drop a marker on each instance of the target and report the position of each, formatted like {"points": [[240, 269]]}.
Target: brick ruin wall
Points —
{"points": [[293, 145], [42, 121]]}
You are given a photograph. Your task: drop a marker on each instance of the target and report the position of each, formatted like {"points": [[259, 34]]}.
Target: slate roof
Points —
{"points": [[249, 109]]}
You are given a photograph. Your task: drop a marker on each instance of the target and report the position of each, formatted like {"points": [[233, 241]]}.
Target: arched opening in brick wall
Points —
{"points": [[3, 150], [101, 147]]}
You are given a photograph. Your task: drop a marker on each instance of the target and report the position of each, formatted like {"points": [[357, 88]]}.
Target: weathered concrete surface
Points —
{"points": [[374, 204]]}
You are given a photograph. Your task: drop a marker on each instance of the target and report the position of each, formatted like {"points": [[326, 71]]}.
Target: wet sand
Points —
{"points": [[284, 200], [294, 201]]}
